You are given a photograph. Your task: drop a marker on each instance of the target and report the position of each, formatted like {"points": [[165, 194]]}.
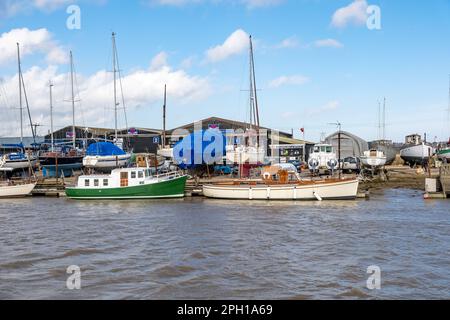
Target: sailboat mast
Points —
{"points": [[115, 84], [448, 115], [73, 101], [254, 88], [384, 120], [20, 93], [164, 116], [51, 116]]}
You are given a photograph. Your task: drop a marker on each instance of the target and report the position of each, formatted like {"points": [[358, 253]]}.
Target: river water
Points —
{"points": [[208, 249]]}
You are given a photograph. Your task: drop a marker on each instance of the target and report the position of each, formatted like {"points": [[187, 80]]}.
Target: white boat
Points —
{"points": [[106, 162], [245, 154], [284, 183], [373, 159], [166, 153], [311, 190], [17, 161], [14, 191], [322, 157], [416, 154]]}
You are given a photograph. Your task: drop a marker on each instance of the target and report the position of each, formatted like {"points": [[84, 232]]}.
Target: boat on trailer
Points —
{"points": [[284, 185], [129, 183]]}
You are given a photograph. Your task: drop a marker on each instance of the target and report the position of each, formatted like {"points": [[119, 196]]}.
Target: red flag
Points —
{"points": [[302, 130]]}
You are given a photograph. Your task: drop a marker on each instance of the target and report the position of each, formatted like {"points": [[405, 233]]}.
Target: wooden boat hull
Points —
{"points": [[341, 190], [16, 191], [173, 188]]}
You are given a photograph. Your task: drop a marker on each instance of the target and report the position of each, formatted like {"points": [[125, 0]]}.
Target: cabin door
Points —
{"points": [[124, 179]]}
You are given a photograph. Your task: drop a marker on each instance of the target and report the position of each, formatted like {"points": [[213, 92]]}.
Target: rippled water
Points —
{"points": [[208, 249]]}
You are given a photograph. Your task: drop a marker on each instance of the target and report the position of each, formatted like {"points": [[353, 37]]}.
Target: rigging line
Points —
{"points": [[83, 120], [121, 89], [28, 107]]}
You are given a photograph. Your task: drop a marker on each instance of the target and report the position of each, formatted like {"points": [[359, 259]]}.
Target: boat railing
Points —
{"points": [[170, 175]]}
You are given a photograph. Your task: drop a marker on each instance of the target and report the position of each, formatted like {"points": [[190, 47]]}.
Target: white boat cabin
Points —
{"points": [[128, 177]]}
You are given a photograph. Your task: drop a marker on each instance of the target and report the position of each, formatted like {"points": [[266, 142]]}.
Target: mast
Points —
{"points": [[253, 85], [51, 115], [384, 120], [448, 115], [73, 102], [20, 93], [115, 85], [164, 116]]}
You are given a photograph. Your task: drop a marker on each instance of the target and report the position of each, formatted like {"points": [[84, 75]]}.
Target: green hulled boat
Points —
{"points": [[129, 183], [444, 153]]}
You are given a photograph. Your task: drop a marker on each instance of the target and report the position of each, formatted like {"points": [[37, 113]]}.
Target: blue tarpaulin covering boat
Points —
{"points": [[104, 149], [200, 147]]}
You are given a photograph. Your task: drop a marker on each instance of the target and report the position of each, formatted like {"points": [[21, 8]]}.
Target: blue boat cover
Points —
{"points": [[104, 149], [200, 147]]}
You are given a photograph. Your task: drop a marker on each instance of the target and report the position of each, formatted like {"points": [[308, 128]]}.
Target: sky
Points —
{"points": [[318, 62]]}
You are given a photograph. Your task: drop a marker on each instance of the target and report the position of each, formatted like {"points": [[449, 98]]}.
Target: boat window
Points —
{"points": [[329, 149], [140, 174], [133, 174], [316, 149], [96, 183], [86, 183], [323, 149], [105, 182], [147, 173]]}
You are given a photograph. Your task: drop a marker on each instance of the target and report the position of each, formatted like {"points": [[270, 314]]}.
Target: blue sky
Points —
{"points": [[316, 62]]}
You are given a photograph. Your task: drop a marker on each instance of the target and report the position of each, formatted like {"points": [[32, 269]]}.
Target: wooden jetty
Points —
{"points": [[444, 177]]}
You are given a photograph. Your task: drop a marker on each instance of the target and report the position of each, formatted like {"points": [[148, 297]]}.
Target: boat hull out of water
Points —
{"points": [[66, 165], [16, 191], [373, 159], [417, 154], [17, 162], [104, 163], [311, 190], [444, 154]]}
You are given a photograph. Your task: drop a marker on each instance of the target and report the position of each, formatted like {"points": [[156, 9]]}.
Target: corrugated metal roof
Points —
{"points": [[27, 141]]}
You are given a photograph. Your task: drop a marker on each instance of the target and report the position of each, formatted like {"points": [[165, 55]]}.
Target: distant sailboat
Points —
{"points": [[249, 151], [62, 160], [14, 157], [107, 156], [376, 158], [444, 153]]}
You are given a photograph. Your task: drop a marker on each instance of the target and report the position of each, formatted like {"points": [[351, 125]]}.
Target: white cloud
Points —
{"points": [[328, 43], [291, 42], [355, 13], [31, 42], [159, 61], [9, 8], [235, 44], [141, 88], [250, 4], [295, 80], [329, 106], [261, 3]]}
